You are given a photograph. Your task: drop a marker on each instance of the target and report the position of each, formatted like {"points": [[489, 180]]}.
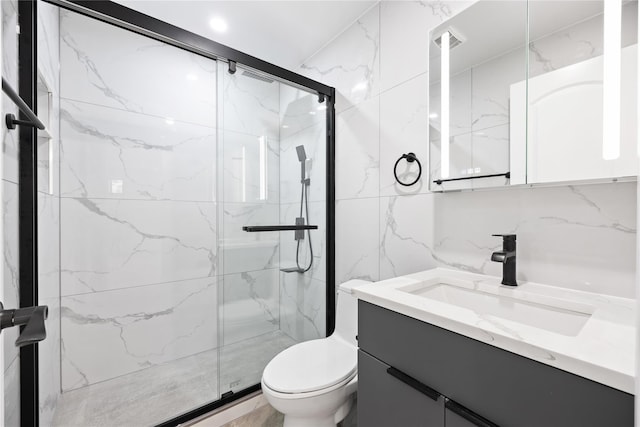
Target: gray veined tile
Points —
{"points": [[109, 334], [109, 66], [358, 153], [356, 77], [117, 244], [250, 305], [110, 153], [245, 251], [406, 238], [251, 106], [357, 242], [302, 306]]}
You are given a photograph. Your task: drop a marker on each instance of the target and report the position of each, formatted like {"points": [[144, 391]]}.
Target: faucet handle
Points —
{"points": [[505, 236]]}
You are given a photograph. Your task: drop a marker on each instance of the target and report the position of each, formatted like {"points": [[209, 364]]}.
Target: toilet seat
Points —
{"points": [[311, 366]]}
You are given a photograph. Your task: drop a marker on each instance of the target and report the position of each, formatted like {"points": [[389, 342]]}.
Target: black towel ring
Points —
{"points": [[410, 158]]}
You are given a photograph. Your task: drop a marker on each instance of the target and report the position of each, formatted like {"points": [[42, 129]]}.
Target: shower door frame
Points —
{"points": [[131, 20]]}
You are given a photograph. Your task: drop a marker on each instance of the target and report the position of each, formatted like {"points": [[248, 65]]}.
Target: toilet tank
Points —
{"points": [[347, 311]]}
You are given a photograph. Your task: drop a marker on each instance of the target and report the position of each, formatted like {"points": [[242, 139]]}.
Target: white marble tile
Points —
{"points": [[109, 66], [49, 44], [12, 394], [491, 155], [49, 295], [250, 105], [302, 307], [111, 153], [579, 237], [404, 29], [299, 110], [351, 62], [10, 264], [251, 305], [357, 240], [10, 74], [108, 334], [109, 244], [406, 234], [251, 168], [491, 84], [358, 151], [289, 246], [48, 246], [314, 141], [403, 128], [244, 251], [574, 43]]}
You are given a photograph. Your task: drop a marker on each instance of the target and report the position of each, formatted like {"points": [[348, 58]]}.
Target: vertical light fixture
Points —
{"points": [[263, 167], [611, 80], [444, 106], [244, 174]]}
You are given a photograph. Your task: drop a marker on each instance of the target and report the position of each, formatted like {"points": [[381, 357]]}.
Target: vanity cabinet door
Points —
{"points": [[506, 388], [456, 415], [386, 397]]}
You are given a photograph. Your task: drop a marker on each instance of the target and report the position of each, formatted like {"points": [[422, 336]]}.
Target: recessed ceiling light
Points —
{"points": [[218, 24], [169, 121], [285, 126], [313, 113], [192, 77]]}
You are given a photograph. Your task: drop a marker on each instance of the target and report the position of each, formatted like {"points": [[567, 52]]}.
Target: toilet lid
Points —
{"points": [[310, 366]]}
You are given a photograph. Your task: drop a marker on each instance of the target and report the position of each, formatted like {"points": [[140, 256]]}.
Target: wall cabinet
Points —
{"points": [[412, 373]]}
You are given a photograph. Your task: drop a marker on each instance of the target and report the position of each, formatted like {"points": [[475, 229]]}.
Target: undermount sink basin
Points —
{"points": [[561, 317]]}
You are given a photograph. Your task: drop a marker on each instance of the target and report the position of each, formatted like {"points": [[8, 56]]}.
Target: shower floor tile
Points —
{"points": [[153, 395]]}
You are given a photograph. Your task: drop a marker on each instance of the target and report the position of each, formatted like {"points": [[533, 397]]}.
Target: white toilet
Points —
{"points": [[313, 383]]}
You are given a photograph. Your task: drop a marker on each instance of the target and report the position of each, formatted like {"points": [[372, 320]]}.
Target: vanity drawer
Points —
{"points": [[384, 400], [508, 389]]}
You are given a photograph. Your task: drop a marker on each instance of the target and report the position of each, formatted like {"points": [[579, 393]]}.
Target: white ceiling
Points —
{"points": [[284, 33]]}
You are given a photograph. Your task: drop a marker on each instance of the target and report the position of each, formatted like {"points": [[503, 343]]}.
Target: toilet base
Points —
{"points": [[330, 421]]}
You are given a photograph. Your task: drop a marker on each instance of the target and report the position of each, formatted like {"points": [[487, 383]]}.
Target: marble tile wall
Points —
{"points": [[9, 188], [303, 296], [49, 210], [138, 215], [573, 236], [250, 294]]}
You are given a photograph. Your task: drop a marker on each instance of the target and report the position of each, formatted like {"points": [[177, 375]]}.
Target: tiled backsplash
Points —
{"points": [[580, 236]]}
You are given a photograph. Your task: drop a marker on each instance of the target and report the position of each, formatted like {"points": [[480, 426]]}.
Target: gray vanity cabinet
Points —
{"points": [[495, 386], [391, 402]]}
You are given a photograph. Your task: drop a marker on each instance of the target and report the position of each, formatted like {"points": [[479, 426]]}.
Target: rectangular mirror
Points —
{"points": [[527, 101]]}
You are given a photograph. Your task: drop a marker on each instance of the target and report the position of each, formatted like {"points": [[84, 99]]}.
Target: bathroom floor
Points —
{"points": [[156, 394]]}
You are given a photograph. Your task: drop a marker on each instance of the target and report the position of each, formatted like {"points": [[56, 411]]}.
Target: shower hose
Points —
{"points": [[304, 203]]}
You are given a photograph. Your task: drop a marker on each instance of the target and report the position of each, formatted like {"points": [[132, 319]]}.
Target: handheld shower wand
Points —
{"points": [[304, 209], [302, 157]]}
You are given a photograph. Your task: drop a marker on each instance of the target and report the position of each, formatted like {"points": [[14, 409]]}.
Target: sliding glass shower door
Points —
{"points": [[268, 301], [139, 270], [157, 166]]}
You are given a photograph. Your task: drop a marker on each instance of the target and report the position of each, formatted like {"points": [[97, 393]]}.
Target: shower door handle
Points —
{"points": [[261, 228], [32, 317]]}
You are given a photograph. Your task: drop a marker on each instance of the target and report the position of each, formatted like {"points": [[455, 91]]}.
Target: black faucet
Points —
{"points": [[507, 256]]}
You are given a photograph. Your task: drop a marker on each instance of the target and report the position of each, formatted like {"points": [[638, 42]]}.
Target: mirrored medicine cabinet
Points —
{"points": [[534, 92]]}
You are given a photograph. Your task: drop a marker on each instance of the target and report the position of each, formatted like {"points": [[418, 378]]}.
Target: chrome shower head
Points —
{"points": [[302, 155]]}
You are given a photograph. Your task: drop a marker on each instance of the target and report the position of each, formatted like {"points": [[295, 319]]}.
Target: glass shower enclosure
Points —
{"points": [[183, 240]]}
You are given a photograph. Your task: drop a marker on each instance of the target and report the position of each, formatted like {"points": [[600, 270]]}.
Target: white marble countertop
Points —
{"points": [[602, 350]]}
